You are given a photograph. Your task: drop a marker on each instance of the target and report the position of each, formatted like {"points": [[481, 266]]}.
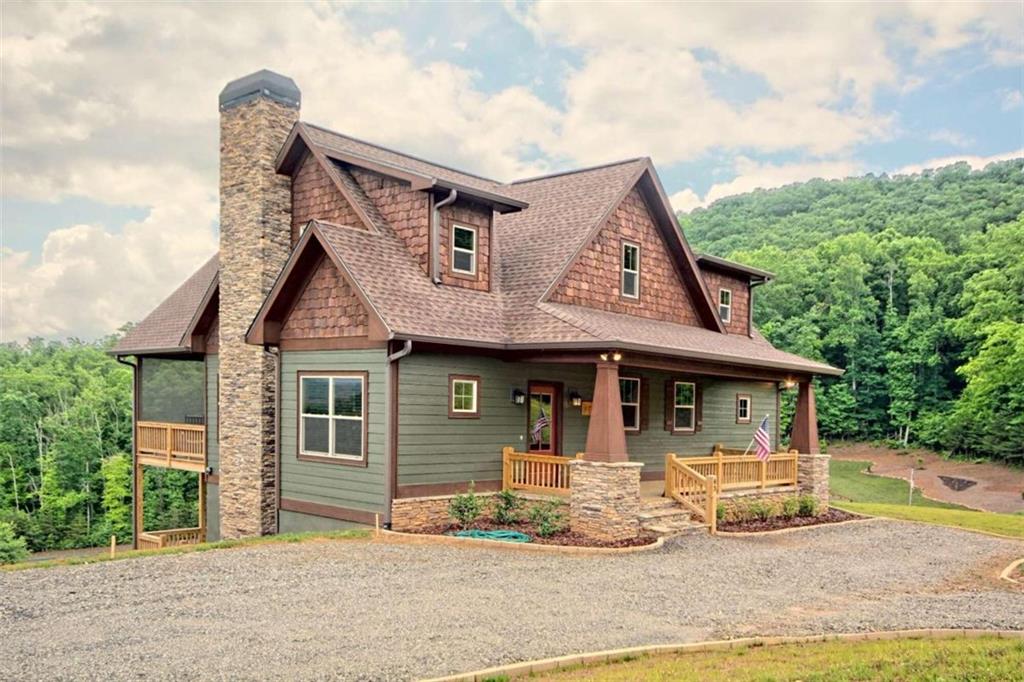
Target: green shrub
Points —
{"points": [[547, 519], [742, 511], [720, 512], [807, 505], [12, 547], [790, 507], [466, 508], [507, 506], [761, 510]]}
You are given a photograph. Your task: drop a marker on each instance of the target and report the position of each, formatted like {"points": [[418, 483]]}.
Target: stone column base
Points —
{"points": [[812, 477], [604, 501]]}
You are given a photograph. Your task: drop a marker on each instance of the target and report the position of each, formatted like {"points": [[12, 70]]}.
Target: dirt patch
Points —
{"points": [[565, 538], [987, 486], [779, 523]]}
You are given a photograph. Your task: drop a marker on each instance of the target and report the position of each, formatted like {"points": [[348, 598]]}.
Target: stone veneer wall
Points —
{"points": [[255, 239], [604, 503], [812, 477], [411, 513]]}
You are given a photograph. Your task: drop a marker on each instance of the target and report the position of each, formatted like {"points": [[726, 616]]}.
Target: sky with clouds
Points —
{"points": [[108, 126]]}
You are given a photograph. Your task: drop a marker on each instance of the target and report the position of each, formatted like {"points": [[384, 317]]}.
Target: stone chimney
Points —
{"points": [[256, 114]]}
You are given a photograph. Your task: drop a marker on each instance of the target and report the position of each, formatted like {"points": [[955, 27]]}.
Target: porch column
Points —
{"points": [[606, 435], [804, 438]]}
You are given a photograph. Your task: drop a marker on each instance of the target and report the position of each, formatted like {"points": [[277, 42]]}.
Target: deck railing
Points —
{"points": [[736, 472], [171, 445], [158, 539], [546, 474], [696, 492]]}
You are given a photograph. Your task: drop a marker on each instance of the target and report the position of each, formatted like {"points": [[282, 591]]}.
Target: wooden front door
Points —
{"points": [[543, 415]]}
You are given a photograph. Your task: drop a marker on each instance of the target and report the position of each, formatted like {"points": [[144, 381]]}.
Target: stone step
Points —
{"points": [[673, 530], [673, 512], [657, 502]]}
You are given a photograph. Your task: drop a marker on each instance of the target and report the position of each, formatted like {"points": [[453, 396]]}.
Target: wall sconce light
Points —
{"points": [[518, 397], [616, 356], [575, 399], [788, 383], [604, 357]]}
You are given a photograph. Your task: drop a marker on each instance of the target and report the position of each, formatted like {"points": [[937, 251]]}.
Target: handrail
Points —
{"points": [[548, 474], [158, 539], [172, 445], [698, 493], [735, 472]]}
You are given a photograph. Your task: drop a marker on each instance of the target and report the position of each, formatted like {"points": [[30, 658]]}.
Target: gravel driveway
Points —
{"points": [[366, 610]]}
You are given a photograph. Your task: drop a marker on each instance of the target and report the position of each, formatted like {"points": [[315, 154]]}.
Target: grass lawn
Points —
{"points": [[848, 483], [989, 522], [977, 660]]}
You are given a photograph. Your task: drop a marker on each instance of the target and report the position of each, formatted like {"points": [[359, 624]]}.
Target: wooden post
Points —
{"points": [[202, 507], [718, 468], [712, 511], [170, 443], [506, 471], [113, 546], [606, 436], [764, 473], [804, 434], [137, 502], [668, 472]]}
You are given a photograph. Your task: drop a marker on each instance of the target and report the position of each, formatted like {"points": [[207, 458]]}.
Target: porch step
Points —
{"points": [[688, 528], [665, 517], [658, 503]]}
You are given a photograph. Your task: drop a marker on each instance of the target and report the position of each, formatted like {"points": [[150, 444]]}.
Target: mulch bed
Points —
{"points": [[565, 538], [778, 523]]}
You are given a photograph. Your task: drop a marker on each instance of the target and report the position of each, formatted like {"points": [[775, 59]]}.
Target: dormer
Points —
{"points": [[731, 286]]}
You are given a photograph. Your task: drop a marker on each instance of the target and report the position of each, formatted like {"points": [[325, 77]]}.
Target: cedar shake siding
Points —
{"points": [[326, 309], [315, 196], [213, 337], [739, 322], [405, 209], [468, 214], [594, 279]]}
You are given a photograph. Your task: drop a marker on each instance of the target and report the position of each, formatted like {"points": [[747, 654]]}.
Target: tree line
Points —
{"points": [[912, 284]]}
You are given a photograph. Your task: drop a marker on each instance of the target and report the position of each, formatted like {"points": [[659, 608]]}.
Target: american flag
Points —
{"points": [[764, 448], [539, 426]]}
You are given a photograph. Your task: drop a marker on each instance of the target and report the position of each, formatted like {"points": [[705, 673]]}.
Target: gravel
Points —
{"points": [[371, 611]]}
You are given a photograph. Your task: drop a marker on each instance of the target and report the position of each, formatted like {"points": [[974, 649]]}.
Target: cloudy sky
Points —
{"points": [[109, 114]]}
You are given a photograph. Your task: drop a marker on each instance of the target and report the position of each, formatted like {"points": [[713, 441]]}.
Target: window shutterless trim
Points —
{"points": [[692, 407], [750, 408], [459, 414], [474, 253], [638, 403], [344, 460], [623, 244], [727, 318]]}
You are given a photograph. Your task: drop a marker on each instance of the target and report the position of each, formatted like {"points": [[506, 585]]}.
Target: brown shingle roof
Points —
{"points": [[164, 328]]}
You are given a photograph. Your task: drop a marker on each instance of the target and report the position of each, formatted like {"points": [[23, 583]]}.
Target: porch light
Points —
{"points": [[788, 383], [616, 356], [604, 357], [575, 399], [518, 397]]}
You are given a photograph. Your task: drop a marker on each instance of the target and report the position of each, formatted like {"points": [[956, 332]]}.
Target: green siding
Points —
{"points": [[333, 484], [212, 513], [212, 444], [435, 449], [293, 522]]}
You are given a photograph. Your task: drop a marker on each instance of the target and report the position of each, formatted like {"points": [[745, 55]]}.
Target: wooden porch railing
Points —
{"points": [[696, 492], [736, 472], [548, 474], [171, 445], [158, 539]]}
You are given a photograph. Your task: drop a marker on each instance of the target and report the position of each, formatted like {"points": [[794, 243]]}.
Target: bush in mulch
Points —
{"points": [[563, 537], [755, 525]]}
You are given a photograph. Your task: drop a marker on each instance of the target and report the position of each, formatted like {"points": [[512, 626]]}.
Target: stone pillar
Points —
{"points": [[812, 477], [257, 113], [606, 435], [804, 436], [604, 500]]}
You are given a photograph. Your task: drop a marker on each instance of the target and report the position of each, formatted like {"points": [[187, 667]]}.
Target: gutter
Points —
{"points": [[391, 426], [135, 412], [435, 235]]}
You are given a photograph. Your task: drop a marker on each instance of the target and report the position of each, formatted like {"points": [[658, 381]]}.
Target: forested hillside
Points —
{"points": [[913, 284], [65, 439]]}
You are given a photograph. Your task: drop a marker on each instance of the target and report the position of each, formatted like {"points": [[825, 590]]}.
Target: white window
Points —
{"points": [[463, 395], [629, 395], [332, 414], [742, 408], [684, 406], [630, 270], [464, 249], [725, 304]]}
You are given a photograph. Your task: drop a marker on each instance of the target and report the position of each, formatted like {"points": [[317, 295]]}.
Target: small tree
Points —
{"points": [[12, 548], [466, 508]]}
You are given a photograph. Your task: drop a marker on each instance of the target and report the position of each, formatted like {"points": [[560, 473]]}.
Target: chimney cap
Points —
{"points": [[263, 83]]}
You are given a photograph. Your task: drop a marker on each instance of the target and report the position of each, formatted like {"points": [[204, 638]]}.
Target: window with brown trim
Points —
{"points": [[464, 250], [630, 283], [332, 417], [463, 396], [629, 396], [725, 305], [743, 407]]}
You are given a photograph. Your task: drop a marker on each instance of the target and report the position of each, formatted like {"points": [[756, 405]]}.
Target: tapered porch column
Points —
{"points": [[804, 438], [606, 435]]}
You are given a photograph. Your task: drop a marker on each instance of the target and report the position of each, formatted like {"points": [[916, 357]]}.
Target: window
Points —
{"points": [[630, 270], [742, 408], [684, 406], [464, 249], [725, 304], [629, 395], [463, 394], [332, 415]]}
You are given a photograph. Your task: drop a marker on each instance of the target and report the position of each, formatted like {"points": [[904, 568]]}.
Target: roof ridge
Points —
{"points": [[573, 171], [401, 153]]}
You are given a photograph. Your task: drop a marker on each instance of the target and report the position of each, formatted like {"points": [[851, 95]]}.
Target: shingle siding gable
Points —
{"points": [[315, 196], [406, 210], [327, 308]]}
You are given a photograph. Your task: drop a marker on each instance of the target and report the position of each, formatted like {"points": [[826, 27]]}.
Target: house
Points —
{"points": [[378, 330]]}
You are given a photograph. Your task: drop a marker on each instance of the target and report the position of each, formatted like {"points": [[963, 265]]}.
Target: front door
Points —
{"points": [[542, 427]]}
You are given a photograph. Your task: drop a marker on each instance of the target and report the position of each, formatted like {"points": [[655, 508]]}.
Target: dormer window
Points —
{"points": [[725, 305], [630, 270], [464, 249]]}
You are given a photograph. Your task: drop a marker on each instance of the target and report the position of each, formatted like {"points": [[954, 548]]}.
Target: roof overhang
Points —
{"points": [[734, 268]]}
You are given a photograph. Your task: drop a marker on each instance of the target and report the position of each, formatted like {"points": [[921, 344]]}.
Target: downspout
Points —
{"points": [[435, 236], [276, 354], [135, 410], [391, 426]]}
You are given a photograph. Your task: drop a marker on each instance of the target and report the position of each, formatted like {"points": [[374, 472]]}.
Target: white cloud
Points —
{"points": [[975, 162], [685, 200], [951, 137], [1012, 99]]}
